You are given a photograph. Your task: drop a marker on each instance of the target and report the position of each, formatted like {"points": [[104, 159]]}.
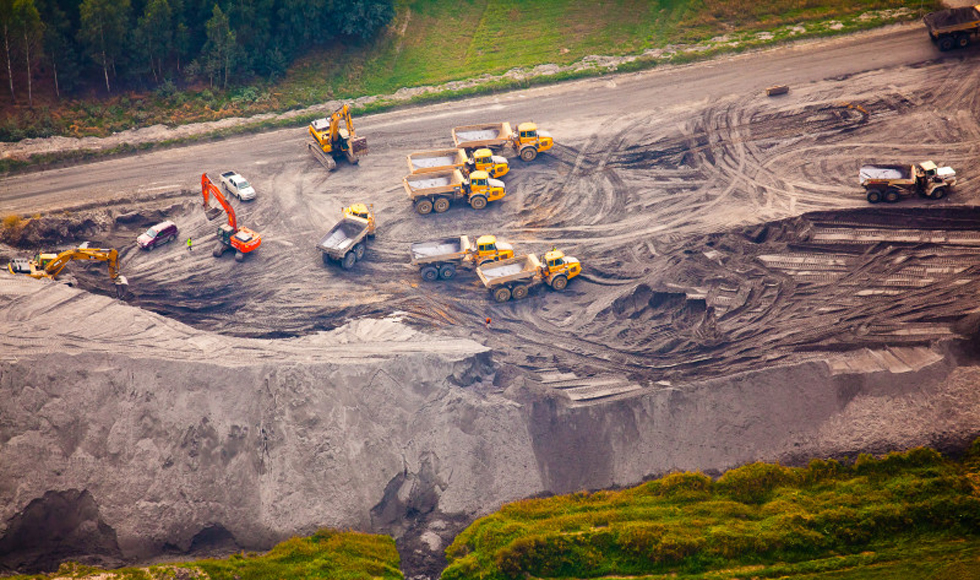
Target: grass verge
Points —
{"points": [[906, 515], [439, 50], [325, 554]]}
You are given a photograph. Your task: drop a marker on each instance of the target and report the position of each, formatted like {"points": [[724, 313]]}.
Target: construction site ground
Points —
{"points": [[721, 231]]}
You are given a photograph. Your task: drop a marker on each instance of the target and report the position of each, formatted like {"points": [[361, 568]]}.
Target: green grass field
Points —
{"points": [[432, 42], [907, 515]]}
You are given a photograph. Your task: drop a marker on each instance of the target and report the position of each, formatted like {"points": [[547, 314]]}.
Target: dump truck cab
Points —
{"points": [[529, 141], [482, 185], [557, 266], [488, 249], [494, 165], [362, 212]]}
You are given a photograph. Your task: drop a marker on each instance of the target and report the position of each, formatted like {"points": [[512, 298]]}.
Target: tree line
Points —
{"points": [[118, 44]]}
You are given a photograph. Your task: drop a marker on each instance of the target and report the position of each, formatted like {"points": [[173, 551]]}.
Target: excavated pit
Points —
{"points": [[740, 301]]}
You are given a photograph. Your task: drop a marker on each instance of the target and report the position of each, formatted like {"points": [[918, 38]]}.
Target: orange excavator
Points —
{"points": [[230, 235]]}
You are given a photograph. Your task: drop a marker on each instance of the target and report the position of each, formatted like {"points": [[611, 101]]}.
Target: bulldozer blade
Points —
{"points": [[212, 212]]}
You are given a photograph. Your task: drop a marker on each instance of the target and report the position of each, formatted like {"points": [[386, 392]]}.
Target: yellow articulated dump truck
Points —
{"points": [[434, 191], [527, 141], [513, 278], [443, 159], [440, 259]]}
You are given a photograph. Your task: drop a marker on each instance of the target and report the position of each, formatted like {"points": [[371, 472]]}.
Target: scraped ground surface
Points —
{"points": [[736, 281]]}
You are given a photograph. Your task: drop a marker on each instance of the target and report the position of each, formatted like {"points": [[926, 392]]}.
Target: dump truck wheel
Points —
{"points": [[939, 193], [501, 294], [440, 205], [528, 153], [478, 202], [326, 258], [874, 196], [891, 195], [423, 206], [350, 258], [430, 273], [519, 292], [359, 251], [946, 43], [963, 41], [239, 257], [447, 271], [559, 283]]}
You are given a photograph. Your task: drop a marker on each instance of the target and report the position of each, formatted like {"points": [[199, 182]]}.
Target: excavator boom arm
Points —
{"points": [[208, 189], [58, 264]]}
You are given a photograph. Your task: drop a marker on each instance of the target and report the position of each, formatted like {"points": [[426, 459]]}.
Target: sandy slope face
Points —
{"points": [[164, 431]]}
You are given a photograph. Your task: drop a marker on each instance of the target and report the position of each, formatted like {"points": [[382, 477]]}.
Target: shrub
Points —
{"points": [[754, 483]]}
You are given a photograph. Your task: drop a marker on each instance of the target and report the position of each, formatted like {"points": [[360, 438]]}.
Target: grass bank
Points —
{"points": [[504, 43], [907, 515], [325, 554]]}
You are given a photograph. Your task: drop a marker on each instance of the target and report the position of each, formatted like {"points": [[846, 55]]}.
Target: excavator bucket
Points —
{"points": [[122, 286], [359, 145], [212, 212]]}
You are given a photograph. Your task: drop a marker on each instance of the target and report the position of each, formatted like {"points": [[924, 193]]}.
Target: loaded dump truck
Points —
{"points": [[346, 242], [444, 159], [513, 278], [435, 190], [892, 182], [439, 259], [952, 28], [527, 141]]}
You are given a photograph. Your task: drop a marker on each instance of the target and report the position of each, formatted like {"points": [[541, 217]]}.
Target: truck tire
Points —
{"points": [[945, 43], [423, 206], [874, 196], [430, 273], [892, 195], [529, 153], [559, 282], [478, 202], [359, 251], [239, 257], [963, 40], [938, 193], [501, 294], [326, 258], [440, 205], [447, 271], [519, 292], [348, 261]]}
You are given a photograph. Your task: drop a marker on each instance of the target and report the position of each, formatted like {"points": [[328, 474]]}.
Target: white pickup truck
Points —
{"points": [[234, 184]]}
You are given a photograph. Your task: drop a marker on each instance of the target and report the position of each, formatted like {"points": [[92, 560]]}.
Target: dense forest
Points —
{"points": [[114, 45]]}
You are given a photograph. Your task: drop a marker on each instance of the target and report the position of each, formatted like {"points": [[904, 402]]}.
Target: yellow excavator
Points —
{"points": [[331, 141], [50, 265]]}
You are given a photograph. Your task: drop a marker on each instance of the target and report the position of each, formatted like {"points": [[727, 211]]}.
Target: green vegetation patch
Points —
{"points": [[914, 514], [326, 554]]}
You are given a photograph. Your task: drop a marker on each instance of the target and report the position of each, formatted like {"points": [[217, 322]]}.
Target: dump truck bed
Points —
{"points": [[516, 269], [952, 20], [483, 135], [885, 172], [342, 237], [442, 181], [444, 250], [437, 160]]}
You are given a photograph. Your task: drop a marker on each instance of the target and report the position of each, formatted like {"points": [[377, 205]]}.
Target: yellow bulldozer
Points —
{"points": [[331, 141], [50, 265]]}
